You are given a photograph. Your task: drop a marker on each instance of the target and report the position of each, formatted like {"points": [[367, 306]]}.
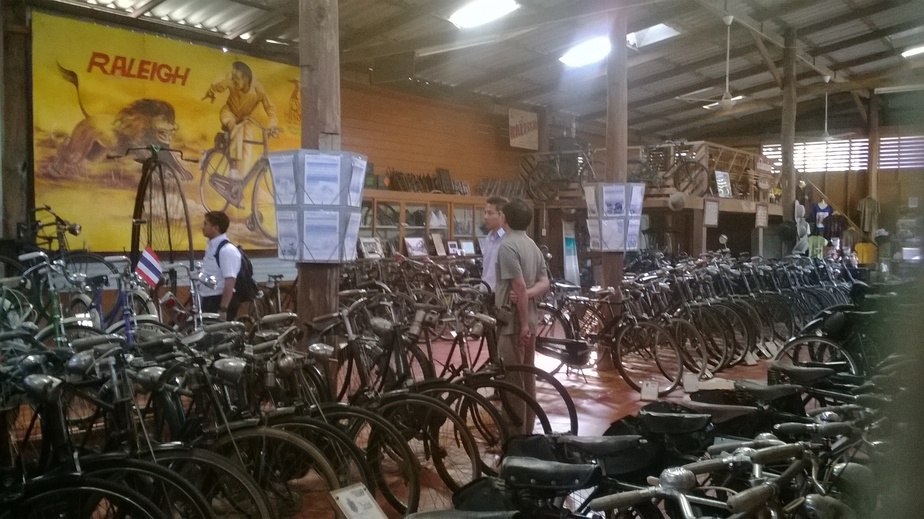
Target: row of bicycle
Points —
{"points": [[818, 441], [294, 423], [696, 317]]}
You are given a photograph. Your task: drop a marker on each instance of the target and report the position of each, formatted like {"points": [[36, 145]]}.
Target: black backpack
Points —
{"points": [[244, 285]]}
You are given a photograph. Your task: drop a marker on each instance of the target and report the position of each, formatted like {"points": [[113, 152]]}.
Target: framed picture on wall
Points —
{"points": [[466, 247], [723, 184], [438, 245], [371, 248], [452, 247], [416, 247]]}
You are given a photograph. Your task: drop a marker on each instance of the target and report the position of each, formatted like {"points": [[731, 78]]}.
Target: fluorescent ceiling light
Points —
{"points": [[914, 51], [590, 51], [899, 89], [481, 12], [713, 106]]}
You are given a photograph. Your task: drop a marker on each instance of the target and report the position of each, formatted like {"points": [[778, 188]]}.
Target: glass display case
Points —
{"points": [[392, 216]]}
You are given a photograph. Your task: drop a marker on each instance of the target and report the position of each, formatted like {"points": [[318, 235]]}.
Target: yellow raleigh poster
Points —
{"points": [[98, 91]]}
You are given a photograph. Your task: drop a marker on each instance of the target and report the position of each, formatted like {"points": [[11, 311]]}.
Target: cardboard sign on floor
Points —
{"points": [[355, 502]]}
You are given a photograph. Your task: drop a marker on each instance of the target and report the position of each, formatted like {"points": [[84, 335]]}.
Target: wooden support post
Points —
{"points": [[16, 192], [319, 63], [872, 188], [698, 245], [617, 124], [788, 130]]}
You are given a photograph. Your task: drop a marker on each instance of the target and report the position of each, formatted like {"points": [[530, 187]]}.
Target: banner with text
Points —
{"points": [[524, 129], [98, 91]]}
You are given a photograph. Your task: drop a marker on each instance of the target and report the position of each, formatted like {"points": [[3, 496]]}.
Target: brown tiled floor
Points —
{"points": [[604, 397]]}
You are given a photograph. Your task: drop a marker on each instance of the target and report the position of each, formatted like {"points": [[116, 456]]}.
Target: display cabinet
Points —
{"points": [[392, 216]]}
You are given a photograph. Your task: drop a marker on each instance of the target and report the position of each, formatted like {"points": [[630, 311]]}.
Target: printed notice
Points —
{"points": [[321, 237], [614, 200], [283, 169], [287, 231], [590, 197], [593, 233], [357, 180], [613, 234], [322, 179], [351, 237], [637, 199], [632, 233]]}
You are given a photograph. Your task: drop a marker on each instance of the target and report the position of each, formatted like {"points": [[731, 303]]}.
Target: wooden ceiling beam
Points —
{"points": [[768, 59], [144, 8]]}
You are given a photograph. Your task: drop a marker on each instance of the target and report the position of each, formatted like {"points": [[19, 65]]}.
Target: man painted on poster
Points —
{"points": [[245, 94]]}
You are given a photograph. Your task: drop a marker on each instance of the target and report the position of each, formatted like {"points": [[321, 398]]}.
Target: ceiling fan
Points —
{"points": [[727, 100]]}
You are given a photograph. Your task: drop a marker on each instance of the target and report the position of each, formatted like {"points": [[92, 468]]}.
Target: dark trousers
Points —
{"points": [[211, 304]]}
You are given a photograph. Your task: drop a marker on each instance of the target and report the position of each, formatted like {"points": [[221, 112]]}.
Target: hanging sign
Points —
{"points": [[524, 129]]}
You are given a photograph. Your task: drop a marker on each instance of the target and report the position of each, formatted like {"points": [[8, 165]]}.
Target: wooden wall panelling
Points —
{"points": [[417, 135]]}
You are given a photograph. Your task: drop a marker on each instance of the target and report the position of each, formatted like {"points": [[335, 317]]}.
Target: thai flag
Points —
{"points": [[149, 267]]}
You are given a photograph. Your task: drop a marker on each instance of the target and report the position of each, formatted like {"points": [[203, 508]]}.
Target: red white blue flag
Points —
{"points": [[149, 267]]}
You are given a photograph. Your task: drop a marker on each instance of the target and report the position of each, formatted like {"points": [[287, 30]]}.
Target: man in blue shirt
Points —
{"points": [[491, 242]]}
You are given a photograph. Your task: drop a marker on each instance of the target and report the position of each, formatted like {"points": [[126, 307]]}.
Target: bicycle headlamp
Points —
{"points": [[74, 229]]}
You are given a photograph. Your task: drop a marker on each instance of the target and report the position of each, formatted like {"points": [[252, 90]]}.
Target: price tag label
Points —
{"points": [[649, 390]]}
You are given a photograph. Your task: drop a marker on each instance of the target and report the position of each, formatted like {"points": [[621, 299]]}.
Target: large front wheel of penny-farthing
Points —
{"points": [[691, 177], [161, 217], [263, 205]]}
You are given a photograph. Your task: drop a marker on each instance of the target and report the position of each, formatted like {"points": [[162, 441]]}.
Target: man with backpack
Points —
{"points": [[222, 260]]}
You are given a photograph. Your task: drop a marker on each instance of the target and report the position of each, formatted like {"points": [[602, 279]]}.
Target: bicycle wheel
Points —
{"points": [[440, 440], [294, 473], [540, 182], [487, 424], [692, 346], [81, 497], [69, 331], [552, 323], [10, 267], [160, 219], [348, 460], [510, 400], [171, 493], [645, 352], [79, 264], [393, 463], [690, 177], [816, 351], [263, 205], [231, 493], [552, 395], [215, 166]]}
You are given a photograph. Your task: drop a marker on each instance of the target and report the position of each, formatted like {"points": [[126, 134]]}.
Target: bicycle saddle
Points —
{"points": [[765, 392], [802, 374], [534, 474]]}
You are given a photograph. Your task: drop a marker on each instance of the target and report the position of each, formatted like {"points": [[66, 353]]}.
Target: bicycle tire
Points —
{"points": [[817, 351], [442, 443], [72, 330], [645, 351], [292, 471], [160, 218], [77, 263], [170, 492], [540, 182], [490, 429], [690, 177], [393, 463], [348, 460], [230, 491], [214, 162], [509, 399], [80, 497], [552, 323], [263, 204], [552, 393], [692, 346], [9, 267]]}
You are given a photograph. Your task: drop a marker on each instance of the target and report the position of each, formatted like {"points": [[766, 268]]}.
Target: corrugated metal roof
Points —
{"points": [[515, 60]]}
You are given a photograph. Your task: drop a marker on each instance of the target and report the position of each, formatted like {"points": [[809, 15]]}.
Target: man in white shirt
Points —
{"points": [[221, 298], [494, 221]]}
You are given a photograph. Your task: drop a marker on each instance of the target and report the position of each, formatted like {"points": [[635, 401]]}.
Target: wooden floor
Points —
{"points": [[604, 397]]}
